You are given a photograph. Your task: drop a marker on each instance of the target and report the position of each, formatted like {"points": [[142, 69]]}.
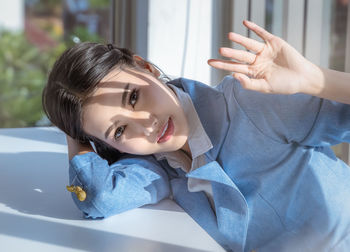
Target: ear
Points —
{"points": [[146, 65]]}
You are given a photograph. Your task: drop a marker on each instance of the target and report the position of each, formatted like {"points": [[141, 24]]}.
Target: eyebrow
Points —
{"points": [[125, 94], [113, 125]]}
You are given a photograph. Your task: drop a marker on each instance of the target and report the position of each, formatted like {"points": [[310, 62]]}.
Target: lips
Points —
{"points": [[166, 132]]}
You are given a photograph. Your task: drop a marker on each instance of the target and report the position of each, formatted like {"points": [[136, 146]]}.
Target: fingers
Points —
{"points": [[248, 43], [238, 55], [259, 85], [262, 33], [230, 66]]}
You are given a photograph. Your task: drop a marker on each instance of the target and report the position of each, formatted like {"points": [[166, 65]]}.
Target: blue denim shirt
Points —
{"points": [[277, 185]]}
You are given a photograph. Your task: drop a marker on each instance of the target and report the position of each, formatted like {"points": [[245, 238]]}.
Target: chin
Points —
{"points": [[168, 149]]}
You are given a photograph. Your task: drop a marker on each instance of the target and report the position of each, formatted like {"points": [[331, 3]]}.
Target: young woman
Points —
{"points": [[254, 170]]}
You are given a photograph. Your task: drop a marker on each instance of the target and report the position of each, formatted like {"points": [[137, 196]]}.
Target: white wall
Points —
{"points": [[179, 37], [12, 14]]}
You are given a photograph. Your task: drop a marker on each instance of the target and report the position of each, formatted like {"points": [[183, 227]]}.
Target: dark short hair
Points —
{"points": [[73, 78]]}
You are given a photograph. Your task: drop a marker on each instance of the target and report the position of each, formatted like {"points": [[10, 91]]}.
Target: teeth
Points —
{"points": [[166, 127]]}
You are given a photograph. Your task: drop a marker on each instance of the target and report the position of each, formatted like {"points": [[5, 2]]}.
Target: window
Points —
{"points": [[33, 34]]}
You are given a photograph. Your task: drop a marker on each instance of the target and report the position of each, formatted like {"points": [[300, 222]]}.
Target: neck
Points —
{"points": [[186, 149]]}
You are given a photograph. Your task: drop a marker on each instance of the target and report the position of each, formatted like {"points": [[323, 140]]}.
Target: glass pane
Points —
{"points": [[268, 15], [37, 33], [337, 42], [339, 12], [274, 16]]}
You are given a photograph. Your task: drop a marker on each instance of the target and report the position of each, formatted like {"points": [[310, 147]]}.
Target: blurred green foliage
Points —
{"points": [[81, 34], [99, 4], [44, 7], [23, 72], [24, 67]]}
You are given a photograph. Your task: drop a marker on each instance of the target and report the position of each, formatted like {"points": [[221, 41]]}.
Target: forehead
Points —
{"points": [[117, 79], [107, 96], [99, 109], [115, 83], [106, 101]]}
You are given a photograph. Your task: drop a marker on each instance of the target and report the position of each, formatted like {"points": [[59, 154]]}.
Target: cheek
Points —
{"points": [[148, 99], [96, 120], [136, 146], [156, 99], [92, 127]]}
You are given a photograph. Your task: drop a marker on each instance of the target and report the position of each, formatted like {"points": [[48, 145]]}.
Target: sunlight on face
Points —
{"points": [[135, 113]]}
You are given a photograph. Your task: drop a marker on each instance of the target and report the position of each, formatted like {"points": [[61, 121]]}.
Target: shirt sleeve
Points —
{"points": [[111, 189], [305, 119]]}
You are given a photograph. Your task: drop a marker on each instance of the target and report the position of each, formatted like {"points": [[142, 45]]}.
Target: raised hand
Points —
{"points": [[272, 66]]}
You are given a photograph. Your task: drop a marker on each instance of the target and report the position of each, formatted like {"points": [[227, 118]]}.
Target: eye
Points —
{"points": [[132, 101], [119, 132], [134, 97]]}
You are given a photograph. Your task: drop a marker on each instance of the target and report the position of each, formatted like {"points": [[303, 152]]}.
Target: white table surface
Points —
{"points": [[38, 214]]}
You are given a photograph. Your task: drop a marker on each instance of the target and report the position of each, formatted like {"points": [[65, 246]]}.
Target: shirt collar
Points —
{"points": [[198, 139]]}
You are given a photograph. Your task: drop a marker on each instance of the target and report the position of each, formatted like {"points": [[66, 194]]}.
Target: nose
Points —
{"points": [[148, 124]]}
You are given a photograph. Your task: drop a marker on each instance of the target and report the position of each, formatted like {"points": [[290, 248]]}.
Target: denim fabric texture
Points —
{"points": [[129, 183], [277, 185]]}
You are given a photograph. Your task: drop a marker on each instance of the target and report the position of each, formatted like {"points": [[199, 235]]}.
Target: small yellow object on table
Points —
{"points": [[81, 194]]}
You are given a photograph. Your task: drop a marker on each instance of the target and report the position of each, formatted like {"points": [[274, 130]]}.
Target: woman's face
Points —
{"points": [[135, 113]]}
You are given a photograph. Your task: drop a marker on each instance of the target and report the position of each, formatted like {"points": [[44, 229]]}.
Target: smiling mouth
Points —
{"points": [[167, 131]]}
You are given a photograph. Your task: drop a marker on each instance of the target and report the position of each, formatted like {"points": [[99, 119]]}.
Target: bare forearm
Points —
{"points": [[75, 148], [336, 86], [330, 84]]}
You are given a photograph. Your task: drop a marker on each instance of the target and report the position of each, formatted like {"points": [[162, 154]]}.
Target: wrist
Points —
{"points": [[312, 82], [76, 148]]}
